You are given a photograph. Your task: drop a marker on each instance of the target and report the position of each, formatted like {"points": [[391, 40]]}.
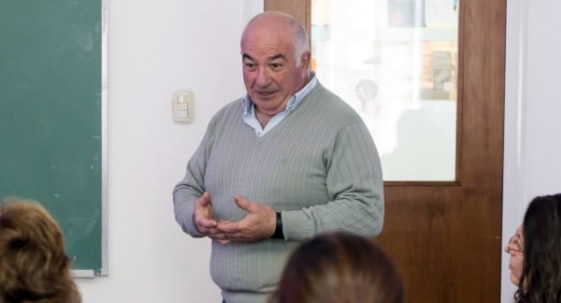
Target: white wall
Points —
{"points": [[156, 48], [532, 113]]}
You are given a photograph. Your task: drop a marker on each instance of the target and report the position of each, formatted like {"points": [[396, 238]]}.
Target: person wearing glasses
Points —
{"points": [[535, 252]]}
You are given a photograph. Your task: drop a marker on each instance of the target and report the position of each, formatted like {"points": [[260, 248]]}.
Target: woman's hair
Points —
{"points": [[540, 281], [33, 264], [339, 268]]}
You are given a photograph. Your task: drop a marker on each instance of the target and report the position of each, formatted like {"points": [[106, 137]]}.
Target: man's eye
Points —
{"points": [[249, 65], [276, 66]]}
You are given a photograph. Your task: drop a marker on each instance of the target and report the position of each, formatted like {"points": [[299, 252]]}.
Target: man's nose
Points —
{"points": [[263, 78]]}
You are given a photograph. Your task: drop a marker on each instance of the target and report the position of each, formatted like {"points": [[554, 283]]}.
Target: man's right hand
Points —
{"points": [[203, 216]]}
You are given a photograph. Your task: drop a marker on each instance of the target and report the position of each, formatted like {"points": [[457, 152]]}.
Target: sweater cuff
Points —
{"points": [[296, 225], [189, 221]]}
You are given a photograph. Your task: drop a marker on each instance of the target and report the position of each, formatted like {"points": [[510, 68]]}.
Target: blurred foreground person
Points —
{"points": [[33, 265], [339, 268]]}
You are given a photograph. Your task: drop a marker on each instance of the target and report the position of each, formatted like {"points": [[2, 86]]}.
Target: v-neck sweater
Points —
{"points": [[319, 167]]}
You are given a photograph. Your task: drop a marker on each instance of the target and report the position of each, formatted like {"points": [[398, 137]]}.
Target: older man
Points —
{"points": [[286, 162]]}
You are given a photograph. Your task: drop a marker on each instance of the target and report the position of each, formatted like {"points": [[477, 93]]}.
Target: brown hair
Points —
{"points": [[33, 264], [339, 268]]}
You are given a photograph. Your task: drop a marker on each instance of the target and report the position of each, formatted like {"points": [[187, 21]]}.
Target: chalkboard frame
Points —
{"points": [[104, 131], [104, 270]]}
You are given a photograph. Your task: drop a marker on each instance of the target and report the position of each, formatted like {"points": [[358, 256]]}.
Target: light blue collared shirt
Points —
{"points": [[250, 118]]}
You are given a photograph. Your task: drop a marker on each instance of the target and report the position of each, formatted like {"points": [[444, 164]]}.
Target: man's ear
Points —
{"points": [[305, 60]]}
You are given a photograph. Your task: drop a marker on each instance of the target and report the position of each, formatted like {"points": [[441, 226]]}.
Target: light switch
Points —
{"points": [[183, 106]]}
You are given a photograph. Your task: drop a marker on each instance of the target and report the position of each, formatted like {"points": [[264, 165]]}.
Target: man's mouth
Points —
{"points": [[265, 93]]}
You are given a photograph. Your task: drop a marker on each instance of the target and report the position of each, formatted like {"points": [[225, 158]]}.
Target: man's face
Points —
{"points": [[271, 71]]}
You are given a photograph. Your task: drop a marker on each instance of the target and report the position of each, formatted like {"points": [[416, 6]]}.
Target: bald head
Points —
{"points": [[283, 25]]}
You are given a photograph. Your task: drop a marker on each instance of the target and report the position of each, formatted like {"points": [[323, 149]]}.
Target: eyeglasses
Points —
{"points": [[515, 245]]}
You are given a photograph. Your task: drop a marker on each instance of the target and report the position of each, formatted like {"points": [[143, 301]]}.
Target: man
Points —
{"points": [[288, 161]]}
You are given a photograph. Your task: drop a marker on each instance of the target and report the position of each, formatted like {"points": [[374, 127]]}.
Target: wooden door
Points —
{"points": [[445, 237]]}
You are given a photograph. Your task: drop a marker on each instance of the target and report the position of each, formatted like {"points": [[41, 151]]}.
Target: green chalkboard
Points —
{"points": [[51, 116]]}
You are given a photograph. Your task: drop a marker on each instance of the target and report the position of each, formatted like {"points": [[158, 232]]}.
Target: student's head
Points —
{"points": [[33, 264], [276, 60], [539, 279], [339, 268]]}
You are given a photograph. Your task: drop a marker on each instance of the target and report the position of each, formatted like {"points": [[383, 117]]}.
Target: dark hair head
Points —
{"points": [[33, 264], [541, 270], [339, 268]]}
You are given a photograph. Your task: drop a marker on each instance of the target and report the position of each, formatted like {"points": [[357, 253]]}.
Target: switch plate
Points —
{"points": [[183, 106]]}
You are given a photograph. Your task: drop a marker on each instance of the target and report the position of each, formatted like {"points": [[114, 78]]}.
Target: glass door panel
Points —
{"points": [[395, 62]]}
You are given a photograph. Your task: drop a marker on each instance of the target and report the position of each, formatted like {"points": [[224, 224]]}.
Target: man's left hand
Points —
{"points": [[258, 224]]}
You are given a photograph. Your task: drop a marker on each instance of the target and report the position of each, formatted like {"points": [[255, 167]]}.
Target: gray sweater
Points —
{"points": [[319, 166]]}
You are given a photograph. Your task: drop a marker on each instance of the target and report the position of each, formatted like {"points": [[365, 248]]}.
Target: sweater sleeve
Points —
{"points": [[354, 180], [188, 190]]}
